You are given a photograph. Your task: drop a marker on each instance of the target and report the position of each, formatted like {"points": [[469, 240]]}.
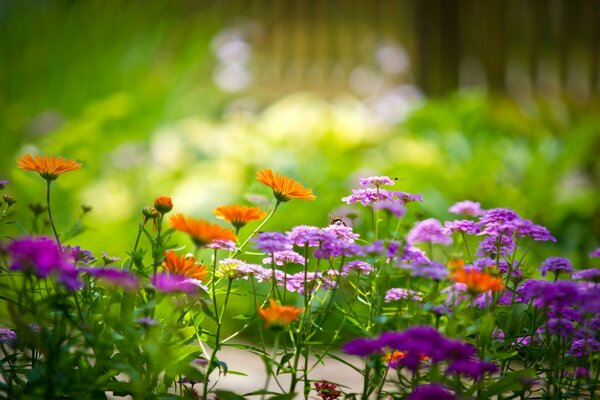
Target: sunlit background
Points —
{"points": [[493, 101]]}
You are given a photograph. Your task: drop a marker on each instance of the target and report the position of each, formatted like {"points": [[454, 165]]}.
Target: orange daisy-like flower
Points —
{"points": [[49, 167], [477, 281], [279, 317], [284, 188], [184, 266], [201, 232], [238, 215]]}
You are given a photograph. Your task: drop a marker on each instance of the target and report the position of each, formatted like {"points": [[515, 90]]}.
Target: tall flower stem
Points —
{"points": [[258, 228], [50, 213]]}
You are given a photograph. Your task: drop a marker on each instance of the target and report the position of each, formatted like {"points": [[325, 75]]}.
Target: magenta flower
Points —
{"points": [[428, 231], [595, 253], [169, 283], [285, 257], [221, 244], [358, 266], [401, 293], [461, 225], [467, 207], [376, 181], [116, 277]]}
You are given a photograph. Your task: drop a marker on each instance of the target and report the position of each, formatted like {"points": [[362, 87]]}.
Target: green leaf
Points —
{"points": [[510, 382], [285, 358], [227, 395], [240, 373], [485, 329], [286, 396]]}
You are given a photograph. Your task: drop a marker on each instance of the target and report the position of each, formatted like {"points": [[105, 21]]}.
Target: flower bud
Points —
{"points": [[163, 204], [149, 213], [8, 199], [38, 208]]}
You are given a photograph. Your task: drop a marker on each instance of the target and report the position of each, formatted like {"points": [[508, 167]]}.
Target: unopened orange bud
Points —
{"points": [[163, 204]]}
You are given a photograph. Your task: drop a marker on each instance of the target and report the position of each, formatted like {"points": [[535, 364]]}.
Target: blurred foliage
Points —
{"points": [[130, 95]]}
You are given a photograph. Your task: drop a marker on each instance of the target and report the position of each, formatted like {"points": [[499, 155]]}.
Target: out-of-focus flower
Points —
{"points": [[395, 208], [467, 207], [185, 266], [327, 391], [376, 181], [556, 265], [146, 321], [401, 293], [201, 232], [7, 336], [578, 372], [8, 200], [163, 204], [3, 183], [106, 259], [222, 245], [461, 225], [591, 274], [429, 269], [370, 196], [230, 268], [595, 253], [477, 281], [272, 242], [490, 245], [279, 317], [239, 215], [169, 283], [359, 266], [284, 187], [42, 256], [116, 277], [431, 391], [49, 167], [557, 294], [474, 369], [80, 255], [428, 231]]}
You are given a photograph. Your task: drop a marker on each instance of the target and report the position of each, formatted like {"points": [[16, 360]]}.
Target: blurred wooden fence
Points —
{"points": [[515, 46]]}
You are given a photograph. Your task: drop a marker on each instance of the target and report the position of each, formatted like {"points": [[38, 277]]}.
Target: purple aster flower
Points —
{"points": [[552, 294], [80, 255], [556, 265], [116, 277], [106, 259], [285, 257], [581, 347], [337, 248], [272, 242], [401, 293], [595, 253], [559, 327], [361, 267], [431, 391], [394, 207], [472, 368], [432, 270], [461, 225], [428, 231], [342, 232], [7, 336], [3, 183], [312, 236], [362, 347], [42, 257], [498, 216], [377, 181], [489, 246], [146, 321], [168, 283], [392, 248], [467, 207], [374, 249], [221, 244], [526, 228], [591, 275], [407, 197], [368, 196], [414, 255]]}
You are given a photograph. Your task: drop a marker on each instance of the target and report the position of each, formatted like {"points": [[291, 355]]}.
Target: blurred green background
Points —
{"points": [[492, 101]]}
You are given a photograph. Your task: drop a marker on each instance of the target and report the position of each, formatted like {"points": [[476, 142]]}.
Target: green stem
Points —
{"points": [[50, 214], [258, 228]]}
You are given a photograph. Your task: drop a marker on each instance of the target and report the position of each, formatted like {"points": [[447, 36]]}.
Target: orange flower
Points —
{"points": [[163, 204], [239, 216], [392, 358], [477, 281], [201, 232], [455, 263], [184, 266], [284, 188], [48, 167], [279, 317]]}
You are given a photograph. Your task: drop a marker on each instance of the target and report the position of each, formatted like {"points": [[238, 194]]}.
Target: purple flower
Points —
{"points": [[369, 196], [489, 246], [376, 181], [3, 183], [341, 232], [393, 207], [414, 255], [362, 347], [221, 244], [472, 368], [486, 262], [312, 236], [42, 257], [461, 225], [581, 347], [428, 231], [560, 327], [272, 242], [80, 255], [374, 249], [357, 265], [336, 248], [591, 275], [106, 259], [595, 253], [407, 197], [168, 283], [467, 207], [285, 257], [527, 228], [498, 216], [7, 336], [431, 391], [556, 265], [116, 277], [578, 372], [431, 269], [146, 321], [401, 293], [552, 294]]}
